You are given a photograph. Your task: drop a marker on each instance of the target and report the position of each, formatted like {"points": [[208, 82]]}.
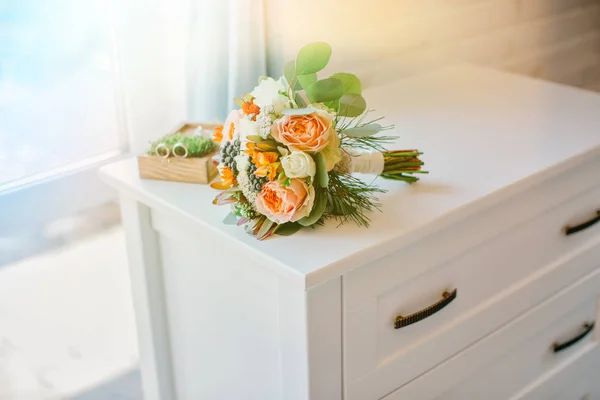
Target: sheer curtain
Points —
{"points": [[186, 60]]}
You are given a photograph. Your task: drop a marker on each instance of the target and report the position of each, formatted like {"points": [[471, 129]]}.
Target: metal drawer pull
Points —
{"points": [[426, 312], [569, 230], [587, 328]]}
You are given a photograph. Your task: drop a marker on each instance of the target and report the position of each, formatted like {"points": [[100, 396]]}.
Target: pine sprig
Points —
{"points": [[366, 142], [198, 146], [349, 199]]}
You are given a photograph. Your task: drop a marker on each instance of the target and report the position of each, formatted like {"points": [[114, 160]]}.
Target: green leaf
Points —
{"points": [[254, 138], [298, 111], [363, 131], [325, 90], [312, 58], [317, 211], [321, 176], [307, 80], [352, 105], [289, 72], [230, 219], [350, 81], [288, 229], [264, 228], [299, 100], [239, 102]]}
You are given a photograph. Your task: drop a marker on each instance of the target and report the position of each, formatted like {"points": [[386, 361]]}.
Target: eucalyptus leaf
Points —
{"points": [[288, 229], [299, 100], [298, 111], [350, 81], [321, 177], [325, 90], [230, 219], [363, 131], [312, 58], [307, 80], [318, 209], [289, 72], [351, 105]]}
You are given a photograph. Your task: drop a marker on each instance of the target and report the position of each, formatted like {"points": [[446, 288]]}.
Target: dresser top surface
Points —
{"points": [[485, 136]]}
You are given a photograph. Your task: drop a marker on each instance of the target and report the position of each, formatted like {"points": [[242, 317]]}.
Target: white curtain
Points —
{"points": [[185, 60]]}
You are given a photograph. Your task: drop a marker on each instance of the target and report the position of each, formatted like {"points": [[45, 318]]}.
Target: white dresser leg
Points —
{"points": [[145, 268]]}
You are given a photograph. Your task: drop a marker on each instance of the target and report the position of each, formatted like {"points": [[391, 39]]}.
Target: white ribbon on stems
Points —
{"points": [[361, 161]]}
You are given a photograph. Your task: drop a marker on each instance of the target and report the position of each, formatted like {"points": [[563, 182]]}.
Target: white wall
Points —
{"points": [[557, 40]]}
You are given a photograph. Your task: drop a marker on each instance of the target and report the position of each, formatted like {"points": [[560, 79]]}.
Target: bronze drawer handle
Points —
{"points": [[426, 312], [569, 230], [587, 329]]}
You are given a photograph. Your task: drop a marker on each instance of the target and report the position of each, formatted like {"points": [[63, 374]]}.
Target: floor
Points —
{"points": [[67, 327]]}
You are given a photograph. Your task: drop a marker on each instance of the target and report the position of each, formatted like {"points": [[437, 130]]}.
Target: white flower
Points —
{"points": [[267, 93], [264, 120], [246, 127], [243, 180], [231, 126], [298, 165]]}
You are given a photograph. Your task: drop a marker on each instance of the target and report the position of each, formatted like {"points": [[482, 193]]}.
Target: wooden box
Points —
{"points": [[179, 169]]}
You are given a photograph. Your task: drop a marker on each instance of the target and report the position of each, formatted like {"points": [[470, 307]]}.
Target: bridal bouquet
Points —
{"points": [[288, 153]]}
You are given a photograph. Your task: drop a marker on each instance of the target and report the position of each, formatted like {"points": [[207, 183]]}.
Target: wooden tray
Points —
{"points": [[178, 169]]}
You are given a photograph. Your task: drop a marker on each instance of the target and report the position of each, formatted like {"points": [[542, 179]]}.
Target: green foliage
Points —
{"points": [[349, 198], [360, 139], [377, 143], [198, 146], [298, 111], [351, 105], [289, 72], [318, 208], [321, 177], [265, 229], [325, 90], [299, 100], [350, 82], [230, 219], [362, 131], [312, 58], [307, 80], [288, 229]]}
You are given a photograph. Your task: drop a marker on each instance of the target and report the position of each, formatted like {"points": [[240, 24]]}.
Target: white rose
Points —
{"points": [[268, 93], [298, 164]]}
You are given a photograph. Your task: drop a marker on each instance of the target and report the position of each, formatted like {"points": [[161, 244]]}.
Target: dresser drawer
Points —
{"points": [[379, 358], [576, 379], [534, 357], [582, 383], [555, 335]]}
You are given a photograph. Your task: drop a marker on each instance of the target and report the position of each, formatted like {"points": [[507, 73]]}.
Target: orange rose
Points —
{"points": [[310, 133], [285, 204]]}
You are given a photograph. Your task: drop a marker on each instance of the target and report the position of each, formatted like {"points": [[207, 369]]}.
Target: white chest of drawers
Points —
{"points": [[467, 286]]}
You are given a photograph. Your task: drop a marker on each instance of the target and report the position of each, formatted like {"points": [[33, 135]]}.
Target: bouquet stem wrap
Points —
{"points": [[394, 164]]}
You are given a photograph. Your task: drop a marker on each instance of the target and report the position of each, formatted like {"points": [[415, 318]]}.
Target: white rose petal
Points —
{"points": [[298, 165]]}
